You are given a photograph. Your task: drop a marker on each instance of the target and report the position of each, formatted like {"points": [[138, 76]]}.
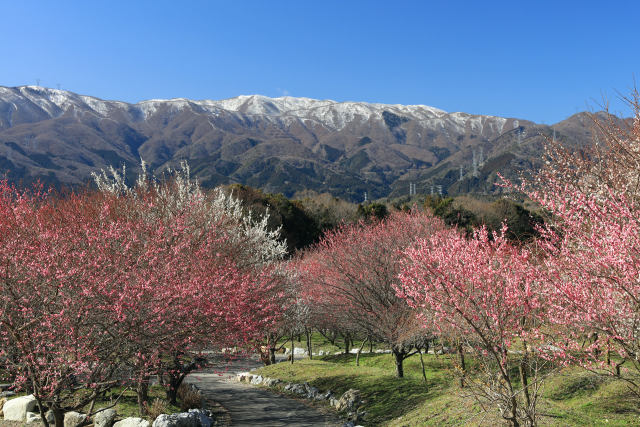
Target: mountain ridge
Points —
{"points": [[283, 144]]}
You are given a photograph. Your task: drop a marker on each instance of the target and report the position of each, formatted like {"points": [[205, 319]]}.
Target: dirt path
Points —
{"points": [[253, 406]]}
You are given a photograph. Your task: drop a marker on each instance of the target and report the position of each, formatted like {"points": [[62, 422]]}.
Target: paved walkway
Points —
{"points": [[253, 406]]}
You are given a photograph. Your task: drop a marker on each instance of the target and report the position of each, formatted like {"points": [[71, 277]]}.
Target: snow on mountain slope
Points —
{"points": [[331, 114]]}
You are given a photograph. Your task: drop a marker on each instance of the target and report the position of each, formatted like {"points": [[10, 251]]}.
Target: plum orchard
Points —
{"points": [[486, 292], [592, 243], [106, 287], [351, 278]]}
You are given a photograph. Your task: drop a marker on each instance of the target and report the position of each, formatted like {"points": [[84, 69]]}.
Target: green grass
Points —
{"points": [[572, 397], [127, 406]]}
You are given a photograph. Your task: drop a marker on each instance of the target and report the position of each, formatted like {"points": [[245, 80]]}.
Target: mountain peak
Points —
{"points": [[281, 144]]}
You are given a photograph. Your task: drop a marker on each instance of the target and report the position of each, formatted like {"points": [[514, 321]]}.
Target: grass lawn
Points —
{"points": [[127, 406], [571, 397]]}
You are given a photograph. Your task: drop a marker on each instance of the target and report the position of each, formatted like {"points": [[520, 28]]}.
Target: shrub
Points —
{"points": [[189, 398], [157, 408]]}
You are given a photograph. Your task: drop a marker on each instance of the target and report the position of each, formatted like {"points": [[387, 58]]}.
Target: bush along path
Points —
{"points": [[248, 405]]}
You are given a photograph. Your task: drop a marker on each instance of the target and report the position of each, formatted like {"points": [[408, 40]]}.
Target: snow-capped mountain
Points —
{"points": [[281, 144]]}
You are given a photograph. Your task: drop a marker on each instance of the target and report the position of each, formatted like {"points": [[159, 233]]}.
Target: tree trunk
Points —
{"points": [[359, 351], [292, 348], [42, 412], [347, 341], [399, 359], [272, 355], [143, 395], [58, 416], [525, 380], [463, 365], [514, 418], [424, 372], [309, 347], [370, 346]]}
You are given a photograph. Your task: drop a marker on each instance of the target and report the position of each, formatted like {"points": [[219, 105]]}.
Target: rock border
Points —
{"points": [[349, 404]]}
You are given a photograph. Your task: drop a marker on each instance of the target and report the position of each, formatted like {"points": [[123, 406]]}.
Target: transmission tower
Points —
{"points": [[474, 165]]}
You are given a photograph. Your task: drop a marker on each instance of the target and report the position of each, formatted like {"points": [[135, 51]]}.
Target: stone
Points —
{"points": [[299, 389], [33, 417], [105, 418], [257, 379], [183, 419], [16, 409], [133, 422], [270, 382], [312, 392], [350, 400], [74, 419], [244, 377], [51, 419], [205, 417], [333, 402]]}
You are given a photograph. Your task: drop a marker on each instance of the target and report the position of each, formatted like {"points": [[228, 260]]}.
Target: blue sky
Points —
{"points": [[541, 61]]}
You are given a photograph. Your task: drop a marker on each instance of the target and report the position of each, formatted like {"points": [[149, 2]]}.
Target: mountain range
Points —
{"points": [[281, 145]]}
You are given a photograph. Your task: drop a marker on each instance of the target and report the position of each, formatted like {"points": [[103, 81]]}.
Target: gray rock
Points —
{"points": [[33, 417], [257, 379], [105, 418], [333, 402], [312, 392], [183, 419], [299, 389], [74, 419], [349, 401], [16, 409], [244, 377], [270, 382], [133, 422], [205, 417]]}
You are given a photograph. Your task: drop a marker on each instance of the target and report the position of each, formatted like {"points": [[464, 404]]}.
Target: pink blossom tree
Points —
{"points": [[352, 274], [485, 292], [592, 240]]}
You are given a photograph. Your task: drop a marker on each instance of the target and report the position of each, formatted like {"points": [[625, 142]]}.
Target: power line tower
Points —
{"points": [[439, 188], [37, 82], [474, 165], [461, 173], [365, 197]]}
